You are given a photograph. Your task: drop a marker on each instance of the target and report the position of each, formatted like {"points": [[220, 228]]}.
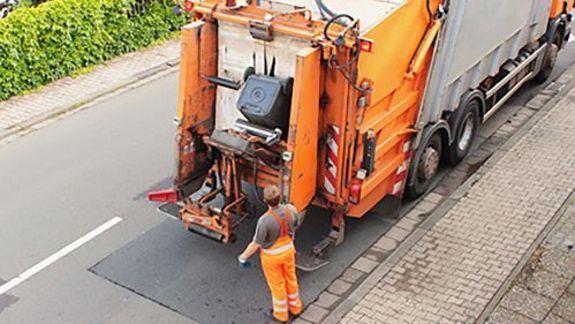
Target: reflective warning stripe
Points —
{"points": [[280, 309], [279, 250], [293, 296], [330, 178], [280, 302], [294, 303], [401, 175]]}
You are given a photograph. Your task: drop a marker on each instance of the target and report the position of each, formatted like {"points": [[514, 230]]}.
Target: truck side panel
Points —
{"points": [[394, 103], [478, 37]]}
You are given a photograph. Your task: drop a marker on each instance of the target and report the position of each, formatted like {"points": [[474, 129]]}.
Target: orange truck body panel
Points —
{"points": [[395, 101], [559, 7]]}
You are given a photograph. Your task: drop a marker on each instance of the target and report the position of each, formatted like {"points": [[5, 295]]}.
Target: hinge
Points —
{"points": [[261, 30]]}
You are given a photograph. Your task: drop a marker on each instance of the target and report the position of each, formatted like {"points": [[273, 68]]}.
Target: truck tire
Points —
{"points": [[425, 166], [548, 63], [465, 125]]}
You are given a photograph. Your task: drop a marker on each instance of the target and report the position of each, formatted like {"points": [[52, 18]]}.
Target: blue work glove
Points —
{"points": [[244, 264]]}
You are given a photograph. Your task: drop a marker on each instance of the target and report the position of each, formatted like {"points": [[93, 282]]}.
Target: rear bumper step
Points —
{"points": [[207, 233], [170, 209]]}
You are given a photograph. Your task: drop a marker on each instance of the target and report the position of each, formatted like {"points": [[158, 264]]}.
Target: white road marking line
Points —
{"points": [[56, 256]]}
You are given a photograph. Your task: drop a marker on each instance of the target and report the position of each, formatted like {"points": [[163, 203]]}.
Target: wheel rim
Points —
{"points": [[466, 134], [429, 163]]}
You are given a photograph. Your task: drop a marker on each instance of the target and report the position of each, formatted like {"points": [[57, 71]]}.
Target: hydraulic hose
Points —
{"points": [[324, 10], [333, 20]]}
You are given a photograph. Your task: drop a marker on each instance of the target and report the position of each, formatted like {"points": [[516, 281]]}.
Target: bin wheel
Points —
{"points": [[466, 123], [425, 167]]}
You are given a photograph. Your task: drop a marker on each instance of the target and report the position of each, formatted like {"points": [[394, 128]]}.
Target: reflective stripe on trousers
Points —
{"points": [[279, 250]]}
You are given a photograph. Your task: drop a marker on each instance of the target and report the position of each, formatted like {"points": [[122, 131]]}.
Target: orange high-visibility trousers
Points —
{"points": [[278, 264], [279, 270]]}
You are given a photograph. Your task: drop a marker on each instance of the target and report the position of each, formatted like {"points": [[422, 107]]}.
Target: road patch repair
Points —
{"points": [[199, 278]]}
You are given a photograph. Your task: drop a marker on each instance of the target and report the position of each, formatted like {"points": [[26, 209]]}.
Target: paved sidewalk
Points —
{"points": [[21, 112], [457, 265], [545, 291]]}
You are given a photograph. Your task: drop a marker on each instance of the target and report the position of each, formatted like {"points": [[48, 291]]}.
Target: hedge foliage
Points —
{"points": [[48, 42]]}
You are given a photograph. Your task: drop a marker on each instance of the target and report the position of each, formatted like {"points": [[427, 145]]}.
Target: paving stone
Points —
{"points": [[385, 243], [538, 101], [565, 307], [527, 303], [314, 314], [505, 316], [397, 233], [554, 319], [326, 300], [571, 288], [559, 262], [300, 320], [365, 265], [434, 197], [547, 284], [426, 206], [416, 215], [352, 275], [407, 224], [339, 287], [376, 254]]}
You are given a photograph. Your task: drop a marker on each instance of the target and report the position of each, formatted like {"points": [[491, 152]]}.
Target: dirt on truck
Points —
{"points": [[342, 103]]}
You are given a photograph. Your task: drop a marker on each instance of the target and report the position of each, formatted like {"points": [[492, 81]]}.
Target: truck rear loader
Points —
{"points": [[342, 103]]}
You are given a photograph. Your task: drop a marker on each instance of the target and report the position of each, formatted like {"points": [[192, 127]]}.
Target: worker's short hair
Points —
{"points": [[272, 195]]}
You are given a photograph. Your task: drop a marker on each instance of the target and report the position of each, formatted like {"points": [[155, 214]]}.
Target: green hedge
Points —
{"points": [[59, 37]]}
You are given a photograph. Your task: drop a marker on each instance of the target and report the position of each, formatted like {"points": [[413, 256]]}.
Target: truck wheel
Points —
{"points": [[425, 167], [466, 123], [548, 63]]}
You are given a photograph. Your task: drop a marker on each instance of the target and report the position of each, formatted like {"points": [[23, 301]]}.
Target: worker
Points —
{"points": [[274, 237]]}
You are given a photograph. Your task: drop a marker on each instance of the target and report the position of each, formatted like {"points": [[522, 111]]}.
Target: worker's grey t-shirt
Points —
{"points": [[268, 229]]}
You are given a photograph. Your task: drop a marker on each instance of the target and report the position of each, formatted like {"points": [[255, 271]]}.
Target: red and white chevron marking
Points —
{"points": [[329, 181], [401, 175]]}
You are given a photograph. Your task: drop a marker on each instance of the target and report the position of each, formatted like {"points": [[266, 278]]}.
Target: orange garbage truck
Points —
{"points": [[342, 103]]}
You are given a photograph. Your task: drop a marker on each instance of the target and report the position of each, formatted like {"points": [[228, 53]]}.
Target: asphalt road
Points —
{"points": [[64, 181]]}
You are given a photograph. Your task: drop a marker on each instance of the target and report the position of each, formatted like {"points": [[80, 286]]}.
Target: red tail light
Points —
{"points": [[355, 192], [168, 195], [366, 45]]}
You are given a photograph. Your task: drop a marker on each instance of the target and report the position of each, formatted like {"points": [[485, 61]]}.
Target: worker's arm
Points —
{"points": [[249, 251], [256, 243], [299, 217]]}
